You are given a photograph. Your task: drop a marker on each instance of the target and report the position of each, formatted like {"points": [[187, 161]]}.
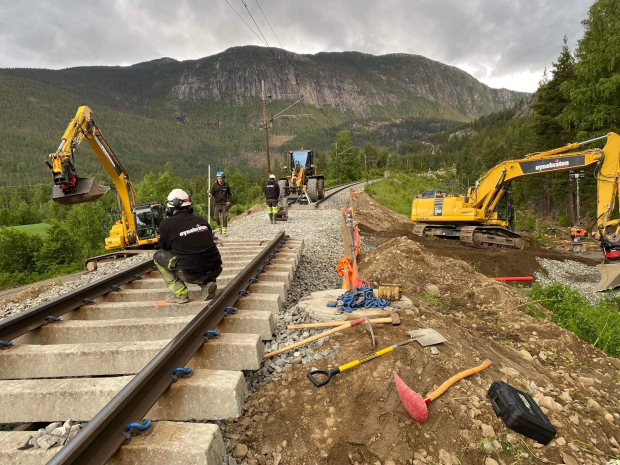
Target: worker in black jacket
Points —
{"points": [[272, 193], [220, 191], [188, 253], [510, 215]]}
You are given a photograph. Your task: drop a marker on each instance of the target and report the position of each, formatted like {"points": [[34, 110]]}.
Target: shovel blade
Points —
{"points": [[427, 337], [86, 190], [610, 276]]}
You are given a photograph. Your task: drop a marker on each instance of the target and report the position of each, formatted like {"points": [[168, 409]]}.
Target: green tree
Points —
{"points": [[17, 250], [59, 248], [382, 158], [345, 164], [594, 93], [550, 101]]}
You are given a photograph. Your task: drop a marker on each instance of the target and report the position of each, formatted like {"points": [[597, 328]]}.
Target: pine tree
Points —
{"points": [[594, 92], [550, 101]]}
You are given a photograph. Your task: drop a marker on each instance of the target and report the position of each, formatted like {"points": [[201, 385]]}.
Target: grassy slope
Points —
{"points": [[38, 228], [397, 192]]}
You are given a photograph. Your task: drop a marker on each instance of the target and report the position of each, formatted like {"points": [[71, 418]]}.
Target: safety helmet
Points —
{"points": [[220, 174], [178, 198], [272, 176]]}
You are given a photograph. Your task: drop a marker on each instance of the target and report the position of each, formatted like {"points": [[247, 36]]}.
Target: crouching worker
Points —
{"points": [[188, 253], [272, 193]]}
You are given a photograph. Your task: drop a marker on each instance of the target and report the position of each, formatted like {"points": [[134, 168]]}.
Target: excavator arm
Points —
{"points": [[70, 189], [490, 189]]}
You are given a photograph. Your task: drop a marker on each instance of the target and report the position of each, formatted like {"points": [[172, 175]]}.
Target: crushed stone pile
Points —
{"points": [[581, 277]]}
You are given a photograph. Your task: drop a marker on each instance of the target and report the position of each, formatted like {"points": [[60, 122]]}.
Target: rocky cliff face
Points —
{"points": [[407, 85]]}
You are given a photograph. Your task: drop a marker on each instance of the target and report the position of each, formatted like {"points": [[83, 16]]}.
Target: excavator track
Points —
{"points": [[494, 236], [418, 229]]}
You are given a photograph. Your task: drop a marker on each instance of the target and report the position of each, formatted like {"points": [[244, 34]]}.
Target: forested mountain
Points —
{"points": [[197, 112]]}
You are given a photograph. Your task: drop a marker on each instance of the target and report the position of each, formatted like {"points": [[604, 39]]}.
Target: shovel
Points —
{"points": [[415, 404], [335, 371], [427, 337]]}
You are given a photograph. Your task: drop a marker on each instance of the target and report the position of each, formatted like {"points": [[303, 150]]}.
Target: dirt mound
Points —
{"points": [[358, 418], [378, 224]]}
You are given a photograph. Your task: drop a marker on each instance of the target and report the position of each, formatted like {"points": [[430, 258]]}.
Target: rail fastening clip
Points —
{"points": [[230, 311], [135, 428], [211, 334], [181, 373]]}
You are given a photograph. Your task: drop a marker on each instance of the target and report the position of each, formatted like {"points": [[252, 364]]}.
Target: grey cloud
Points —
{"points": [[493, 37]]}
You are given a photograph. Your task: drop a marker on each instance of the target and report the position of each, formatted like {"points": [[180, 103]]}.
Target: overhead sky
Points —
{"points": [[503, 43]]}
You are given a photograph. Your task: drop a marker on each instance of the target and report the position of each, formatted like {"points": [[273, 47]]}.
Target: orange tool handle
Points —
{"points": [[463, 374], [343, 325], [329, 324]]}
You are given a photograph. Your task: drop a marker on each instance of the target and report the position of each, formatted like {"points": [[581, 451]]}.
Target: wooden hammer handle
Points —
{"points": [[343, 325], [463, 374], [329, 324]]}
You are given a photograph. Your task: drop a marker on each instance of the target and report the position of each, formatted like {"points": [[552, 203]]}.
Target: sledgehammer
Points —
{"points": [[394, 319], [415, 404]]}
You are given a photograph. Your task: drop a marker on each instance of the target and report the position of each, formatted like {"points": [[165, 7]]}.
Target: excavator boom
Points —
{"points": [[138, 224]]}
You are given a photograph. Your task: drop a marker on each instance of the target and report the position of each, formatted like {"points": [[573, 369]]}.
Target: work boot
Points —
{"points": [[174, 299], [207, 291]]}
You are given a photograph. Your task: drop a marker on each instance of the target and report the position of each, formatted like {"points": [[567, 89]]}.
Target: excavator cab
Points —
{"points": [[148, 217]]}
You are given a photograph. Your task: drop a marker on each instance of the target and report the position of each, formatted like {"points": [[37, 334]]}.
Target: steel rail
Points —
{"points": [[38, 316], [340, 189], [103, 434]]}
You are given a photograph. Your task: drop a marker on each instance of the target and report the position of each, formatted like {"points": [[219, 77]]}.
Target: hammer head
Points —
{"points": [[412, 401], [395, 319]]}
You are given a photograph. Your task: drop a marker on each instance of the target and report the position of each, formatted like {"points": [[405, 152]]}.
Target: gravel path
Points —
{"points": [[321, 230], [575, 275], [105, 269]]}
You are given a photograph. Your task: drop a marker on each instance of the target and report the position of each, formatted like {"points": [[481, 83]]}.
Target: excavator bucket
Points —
{"points": [[86, 190], [610, 276]]}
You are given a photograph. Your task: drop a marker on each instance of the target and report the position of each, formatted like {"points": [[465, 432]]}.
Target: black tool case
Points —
{"points": [[520, 412]]}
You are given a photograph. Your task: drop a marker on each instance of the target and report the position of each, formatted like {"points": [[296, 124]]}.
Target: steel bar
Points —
{"points": [[35, 317], [339, 189], [103, 435]]}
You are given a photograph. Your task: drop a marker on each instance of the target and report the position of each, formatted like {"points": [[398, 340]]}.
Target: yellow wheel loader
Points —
{"points": [[136, 225], [302, 177], [474, 219]]}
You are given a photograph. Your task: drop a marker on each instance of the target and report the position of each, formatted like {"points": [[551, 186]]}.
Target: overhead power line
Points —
{"points": [[249, 27]]}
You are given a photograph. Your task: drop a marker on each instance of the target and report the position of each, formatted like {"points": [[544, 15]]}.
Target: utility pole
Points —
{"points": [[337, 165], [577, 175], [266, 127]]}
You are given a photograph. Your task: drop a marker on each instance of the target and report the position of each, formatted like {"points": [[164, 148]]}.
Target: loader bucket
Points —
{"points": [[86, 190], [610, 276]]}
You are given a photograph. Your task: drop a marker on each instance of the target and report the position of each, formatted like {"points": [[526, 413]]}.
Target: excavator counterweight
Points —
{"points": [[85, 190]]}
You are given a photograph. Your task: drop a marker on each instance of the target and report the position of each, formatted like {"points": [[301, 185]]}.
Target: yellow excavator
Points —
{"points": [[302, 177], [137, 225], [473, 218]]}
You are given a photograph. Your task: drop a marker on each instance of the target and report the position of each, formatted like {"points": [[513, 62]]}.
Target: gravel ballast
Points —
{"points": [[104, 270], [578, 276]]}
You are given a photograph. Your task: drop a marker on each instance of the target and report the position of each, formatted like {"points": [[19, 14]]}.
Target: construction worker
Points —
{"points": [[272, 193], [222, 195], [510, 215], [188, 253]]}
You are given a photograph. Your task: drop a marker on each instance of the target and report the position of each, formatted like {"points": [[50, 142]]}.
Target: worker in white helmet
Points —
{"points": [[272, 193], [188, 252]]}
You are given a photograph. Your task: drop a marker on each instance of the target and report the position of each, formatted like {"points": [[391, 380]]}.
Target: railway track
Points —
{"points": [[114, 353]]}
